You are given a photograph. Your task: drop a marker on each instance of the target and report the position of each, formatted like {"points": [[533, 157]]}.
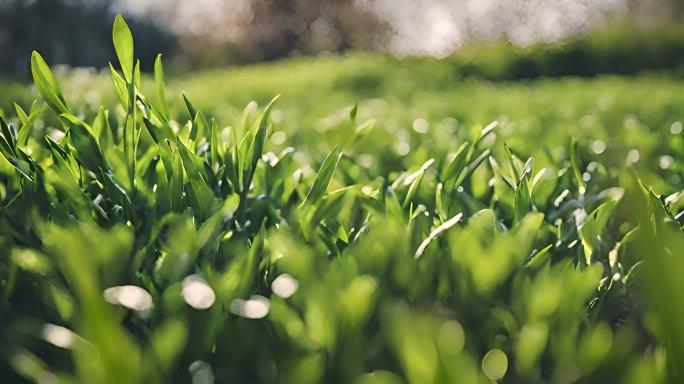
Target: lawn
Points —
{"points": [[381, 221]]}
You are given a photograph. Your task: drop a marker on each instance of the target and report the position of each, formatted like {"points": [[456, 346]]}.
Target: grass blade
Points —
{"points": [[160, 87], [436, 233], [575, 160], [323, 177], [123, 45], [47, 85]]}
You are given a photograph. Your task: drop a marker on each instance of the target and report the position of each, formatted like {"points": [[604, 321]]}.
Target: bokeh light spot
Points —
{"points": [[197, 293], [495, 364], [201, 372], [129, 296], [59, 336], [257, 307], [284, 286]]}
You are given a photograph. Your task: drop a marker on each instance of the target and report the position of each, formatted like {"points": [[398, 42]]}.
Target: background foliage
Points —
{"points": [[154, 237], [211, 33]]}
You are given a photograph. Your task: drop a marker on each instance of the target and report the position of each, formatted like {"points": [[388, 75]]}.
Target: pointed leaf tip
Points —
{"points": [[123, 45], [47, 85]]}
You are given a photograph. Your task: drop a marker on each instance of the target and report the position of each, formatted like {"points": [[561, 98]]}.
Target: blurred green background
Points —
{"points": [[617, 36], [560, 288]]}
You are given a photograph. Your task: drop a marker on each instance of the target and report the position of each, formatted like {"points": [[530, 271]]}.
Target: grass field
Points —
{"points": [[383, 221]]}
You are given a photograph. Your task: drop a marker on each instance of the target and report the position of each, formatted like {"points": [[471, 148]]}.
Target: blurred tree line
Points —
{"points": [[75, 32], [200, 33], [218, 32], [78, 32]]}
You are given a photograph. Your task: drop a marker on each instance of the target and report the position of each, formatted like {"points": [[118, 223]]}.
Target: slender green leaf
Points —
{"points": [[47, 85], [575, 160], [120, 87], [191, 108], [436, 233], [257, 146], [160, 86], [323, 177], [593, 228], [123, 45], [87, 148]]}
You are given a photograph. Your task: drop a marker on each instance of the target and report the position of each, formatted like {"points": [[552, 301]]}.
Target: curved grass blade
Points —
{"points": [[415, 179], [436, 233], [540, 258], [486, 131], [455, 163], [120, 87], [594, 226], [47, 85], [323, 177], [257, 147], [191, 108], [87, 148]]}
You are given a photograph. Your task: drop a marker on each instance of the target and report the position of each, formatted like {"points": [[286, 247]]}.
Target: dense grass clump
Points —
{"points": [[141, 243]]}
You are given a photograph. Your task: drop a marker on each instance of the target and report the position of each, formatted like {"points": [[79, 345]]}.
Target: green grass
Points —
{"points": [[441, 230]]}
